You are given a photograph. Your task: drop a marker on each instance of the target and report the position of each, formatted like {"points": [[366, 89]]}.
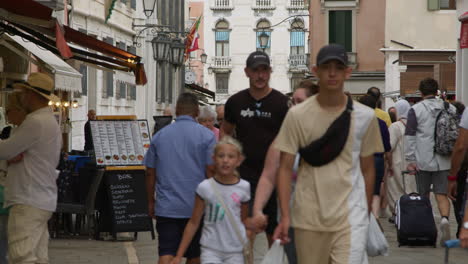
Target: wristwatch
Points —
{"points": [[465, 225]]}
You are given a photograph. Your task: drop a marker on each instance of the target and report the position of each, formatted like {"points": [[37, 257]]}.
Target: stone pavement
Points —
{"points": [[144, 251]]}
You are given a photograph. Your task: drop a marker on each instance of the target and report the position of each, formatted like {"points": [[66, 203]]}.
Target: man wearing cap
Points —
{"points": [[332, 200], [255, 115], [31, 189]]}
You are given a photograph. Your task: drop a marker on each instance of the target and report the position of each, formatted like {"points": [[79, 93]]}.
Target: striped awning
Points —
{"points": [[222, 35], [297, 38]]}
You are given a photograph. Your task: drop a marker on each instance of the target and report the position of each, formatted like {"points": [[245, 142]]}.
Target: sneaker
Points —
{"points": [[391, 219], [444, 231]]}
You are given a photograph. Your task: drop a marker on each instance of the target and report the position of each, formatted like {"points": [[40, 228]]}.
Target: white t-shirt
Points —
{"points": [[218, 232]]}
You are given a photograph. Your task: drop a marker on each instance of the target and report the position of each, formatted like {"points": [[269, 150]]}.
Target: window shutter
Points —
{"points": [[433, 5], [110, 75], [84, 79], [131, 49], [133, 4], [123, 87], [133, 92], [340, 29]]}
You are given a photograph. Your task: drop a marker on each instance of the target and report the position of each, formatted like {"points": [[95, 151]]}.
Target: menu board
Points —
{"points": [[127, 201], [120, 142]]}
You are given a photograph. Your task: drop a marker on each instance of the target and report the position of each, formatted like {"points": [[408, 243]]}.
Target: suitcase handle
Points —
{"points": [[403, 173]]}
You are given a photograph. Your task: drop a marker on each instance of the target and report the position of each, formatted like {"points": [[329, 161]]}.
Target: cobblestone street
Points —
{"points": [[144, 251]]}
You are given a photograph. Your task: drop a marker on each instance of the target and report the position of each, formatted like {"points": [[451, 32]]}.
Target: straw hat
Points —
{"points": [[38, 82]]}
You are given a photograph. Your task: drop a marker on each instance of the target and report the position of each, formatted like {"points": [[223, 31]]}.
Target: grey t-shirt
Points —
{"points": [[218, 233]]}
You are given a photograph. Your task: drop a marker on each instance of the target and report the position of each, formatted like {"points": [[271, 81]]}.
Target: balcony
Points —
{"points": [[352, 60], [296, 5], [263, 5], [221, 64], [298, 62], [221, 5]]}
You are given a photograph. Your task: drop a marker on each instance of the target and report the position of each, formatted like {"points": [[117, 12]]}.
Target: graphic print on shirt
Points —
{"points": [[257, 113], [216, 212]]}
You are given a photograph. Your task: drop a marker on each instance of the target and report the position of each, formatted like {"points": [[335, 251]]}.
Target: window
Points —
{"points": [[340, 28], [297, 37], [108, 77], [84, 79], [434, 5], [263, 27], [222, 83], [131, 92], [222, 39], [121, 91]]}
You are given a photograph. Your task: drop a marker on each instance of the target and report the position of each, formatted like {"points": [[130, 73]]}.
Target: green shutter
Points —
{"points": [[84, 79], [123, 88], [340, 29], [109, 75], [433, 5]]}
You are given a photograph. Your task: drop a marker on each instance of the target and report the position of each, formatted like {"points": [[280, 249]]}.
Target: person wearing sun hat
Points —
{"points": [[30, 188]]}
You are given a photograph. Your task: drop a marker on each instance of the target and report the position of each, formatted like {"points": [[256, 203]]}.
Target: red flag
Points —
{"points": [[61, 43], [191, 43]]}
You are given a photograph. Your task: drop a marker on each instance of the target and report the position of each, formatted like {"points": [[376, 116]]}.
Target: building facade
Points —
{"points": [[232, 30], [462, 55], [425, 48], [360, 27], [106, 91]]}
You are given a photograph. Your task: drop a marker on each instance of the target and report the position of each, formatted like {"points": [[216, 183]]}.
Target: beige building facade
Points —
{"points": [[420, 42], [360, 27]]}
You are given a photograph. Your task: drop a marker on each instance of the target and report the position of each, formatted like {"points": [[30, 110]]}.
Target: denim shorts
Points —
{"points": [[170, 231]]}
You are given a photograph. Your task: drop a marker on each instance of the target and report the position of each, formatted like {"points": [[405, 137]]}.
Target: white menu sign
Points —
{"points": [[120, 142]]}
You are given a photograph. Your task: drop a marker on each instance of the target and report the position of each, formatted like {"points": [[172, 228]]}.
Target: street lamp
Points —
{"points": [[161, 47], [203, 57], [263, 39], [178, 49], [148, 7]]}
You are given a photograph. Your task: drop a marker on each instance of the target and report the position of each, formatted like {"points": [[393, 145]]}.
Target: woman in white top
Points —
{"points": [[394, 181]]}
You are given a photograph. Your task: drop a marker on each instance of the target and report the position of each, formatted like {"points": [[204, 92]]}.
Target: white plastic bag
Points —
{"points": [[377, 244], [275, 255]]}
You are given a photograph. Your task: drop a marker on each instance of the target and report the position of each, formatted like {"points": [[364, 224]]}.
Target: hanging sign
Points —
{"points": [[464, 35]]}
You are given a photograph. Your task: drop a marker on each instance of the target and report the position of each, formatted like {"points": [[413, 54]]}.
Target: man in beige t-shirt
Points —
{"points": [[330, 209]]}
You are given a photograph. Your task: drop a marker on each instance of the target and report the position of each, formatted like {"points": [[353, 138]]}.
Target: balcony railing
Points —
{"points": [[221, 4], [263, 4], [296, 4], [297, 61], [221, 62], [352, 60]]}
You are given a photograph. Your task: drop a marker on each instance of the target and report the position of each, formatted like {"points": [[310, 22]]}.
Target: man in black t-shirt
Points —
{"points": [[256, 115]]}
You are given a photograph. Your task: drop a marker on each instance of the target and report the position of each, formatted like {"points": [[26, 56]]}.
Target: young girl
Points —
{"points": [[220, 242]]}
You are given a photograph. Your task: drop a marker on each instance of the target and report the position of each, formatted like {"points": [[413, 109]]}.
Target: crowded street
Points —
{"points": [[233, 131]]}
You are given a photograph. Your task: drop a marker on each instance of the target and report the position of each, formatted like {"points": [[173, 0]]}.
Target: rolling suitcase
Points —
{"points": [[414, 220]]}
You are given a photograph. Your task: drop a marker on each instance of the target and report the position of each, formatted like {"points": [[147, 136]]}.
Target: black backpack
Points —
{"points": [[446, 130]]}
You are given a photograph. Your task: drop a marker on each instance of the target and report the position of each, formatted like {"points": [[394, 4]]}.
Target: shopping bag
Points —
{"points": [[275, 255], [377, 244]]}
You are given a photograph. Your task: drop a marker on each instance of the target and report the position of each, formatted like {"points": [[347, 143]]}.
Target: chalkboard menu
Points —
{"points": [[127, 200], [120, 142]]}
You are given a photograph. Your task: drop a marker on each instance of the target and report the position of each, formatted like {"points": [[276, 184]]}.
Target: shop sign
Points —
{"points": [[464, 35]]}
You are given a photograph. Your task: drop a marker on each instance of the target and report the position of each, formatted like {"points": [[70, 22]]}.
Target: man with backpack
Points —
{"points": [[429, 135]]}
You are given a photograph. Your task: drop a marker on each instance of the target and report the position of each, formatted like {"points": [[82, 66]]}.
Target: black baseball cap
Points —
{"points": [[332, 52], [256, 59]]}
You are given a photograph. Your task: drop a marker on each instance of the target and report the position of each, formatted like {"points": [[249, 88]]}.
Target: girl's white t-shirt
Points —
{"points": [[218, 233]]}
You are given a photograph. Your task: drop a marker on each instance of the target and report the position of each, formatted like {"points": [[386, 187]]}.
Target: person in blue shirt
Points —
{"points": [[179, 158]]}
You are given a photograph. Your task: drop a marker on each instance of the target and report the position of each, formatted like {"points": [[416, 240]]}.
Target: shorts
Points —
{"points": [[170, 232], [271, 209], [339, 247], [379, 173], [438, 179], [210, 256]]}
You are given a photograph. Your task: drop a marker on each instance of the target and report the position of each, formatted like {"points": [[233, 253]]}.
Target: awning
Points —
{"points": [[203, 94], [34, 22], [66, 77]]}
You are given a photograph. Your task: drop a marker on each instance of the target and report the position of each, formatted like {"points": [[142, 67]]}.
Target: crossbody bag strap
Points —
{"points": [[228, 212]]}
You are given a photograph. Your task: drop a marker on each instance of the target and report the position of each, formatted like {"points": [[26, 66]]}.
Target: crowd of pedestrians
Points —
{"points": [[308, 170]]}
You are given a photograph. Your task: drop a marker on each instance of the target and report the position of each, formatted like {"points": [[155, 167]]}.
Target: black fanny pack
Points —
{"points": [[325, 149]]}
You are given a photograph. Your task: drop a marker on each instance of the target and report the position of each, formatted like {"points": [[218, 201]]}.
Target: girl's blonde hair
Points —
{"points": [[231, 141]]}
